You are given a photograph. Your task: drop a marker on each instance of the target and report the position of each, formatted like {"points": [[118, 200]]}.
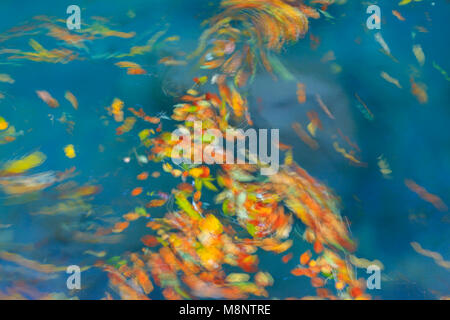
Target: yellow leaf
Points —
{"points": [[26, 163], [69, 150]]}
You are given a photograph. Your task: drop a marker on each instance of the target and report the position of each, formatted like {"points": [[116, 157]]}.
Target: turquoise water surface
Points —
{"points": [[384, 215]]}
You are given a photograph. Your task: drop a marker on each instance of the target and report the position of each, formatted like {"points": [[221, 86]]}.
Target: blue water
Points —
{"points": [[414, 138]]}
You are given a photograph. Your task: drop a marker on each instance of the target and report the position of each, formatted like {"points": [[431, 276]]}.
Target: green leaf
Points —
{"points": [[140, 211], [198, 184], [251, 229], [225, 209], [210, 185], [184, 204]]}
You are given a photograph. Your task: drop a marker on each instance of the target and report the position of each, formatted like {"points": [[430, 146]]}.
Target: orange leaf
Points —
{"points": [[286, 258], [149, 241], [131, 216], [142, 176], [120, 226], [304, 258], [318, 247], [317, 282], [136, 191], [155, 203]]}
